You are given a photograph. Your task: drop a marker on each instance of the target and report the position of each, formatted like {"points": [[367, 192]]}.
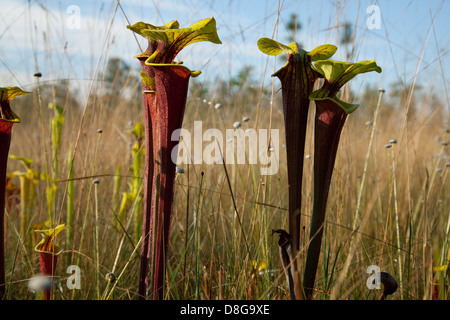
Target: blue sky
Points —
{"points": [[412, 42]]}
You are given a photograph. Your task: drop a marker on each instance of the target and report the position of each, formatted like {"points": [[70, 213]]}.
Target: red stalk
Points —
{"points": [[5, 140], [48, 254], [165, 85], [167, 111], [331, 114], [148, 183], [7, 119], [47, 262], [434, 289], [297, 80], [329, 121], [163, 114]]}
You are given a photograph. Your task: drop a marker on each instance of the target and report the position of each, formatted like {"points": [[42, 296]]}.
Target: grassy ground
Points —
{"points": [[406, 187]]}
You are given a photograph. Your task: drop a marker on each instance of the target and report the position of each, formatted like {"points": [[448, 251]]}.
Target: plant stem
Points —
{"points": [[297, 80], [70, 203], [198, 241], [297, 83], [366, 162], [5, 141], [44, 147], [97, 255], [399, 257], [148, 182], [329, 122], [186, 227]]}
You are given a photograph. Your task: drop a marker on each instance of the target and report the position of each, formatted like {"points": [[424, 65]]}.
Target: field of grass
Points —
{"points": [[388, 204]]}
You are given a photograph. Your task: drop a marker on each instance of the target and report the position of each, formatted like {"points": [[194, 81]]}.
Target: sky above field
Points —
{"points": [[409, 39]]}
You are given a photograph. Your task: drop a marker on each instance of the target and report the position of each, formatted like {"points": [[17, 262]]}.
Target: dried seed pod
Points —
{"points": [[389, 284]]}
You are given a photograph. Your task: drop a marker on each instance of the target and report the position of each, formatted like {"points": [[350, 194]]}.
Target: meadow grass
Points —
{"points": [[402, 209]]}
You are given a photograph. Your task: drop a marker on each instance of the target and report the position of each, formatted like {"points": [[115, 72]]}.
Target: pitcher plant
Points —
{"points": [[165, 88]]}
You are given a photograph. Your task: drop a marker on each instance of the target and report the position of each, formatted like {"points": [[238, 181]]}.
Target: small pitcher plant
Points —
{"points": [[48, 254], [7, 120], [165, 88], [297, 80]]}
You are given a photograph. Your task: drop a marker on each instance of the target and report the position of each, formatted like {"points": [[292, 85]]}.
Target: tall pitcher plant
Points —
{"points": [[7, 120], [297, 80], [165, 88], [331, 114]]}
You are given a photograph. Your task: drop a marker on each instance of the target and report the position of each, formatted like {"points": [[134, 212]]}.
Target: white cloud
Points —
{"points": [[74, 53], [41, 39]]}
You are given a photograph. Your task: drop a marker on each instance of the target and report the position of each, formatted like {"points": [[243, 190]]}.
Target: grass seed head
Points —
{"points": [[393, 141], [110, 277]]}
